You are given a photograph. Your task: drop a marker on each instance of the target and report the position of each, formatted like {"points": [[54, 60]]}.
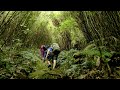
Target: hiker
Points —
{"points": [[43, 51], [52, 54]]}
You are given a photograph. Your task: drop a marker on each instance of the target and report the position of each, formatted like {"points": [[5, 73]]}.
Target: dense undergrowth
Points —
{"points": [[72, 64], [81, 64]]}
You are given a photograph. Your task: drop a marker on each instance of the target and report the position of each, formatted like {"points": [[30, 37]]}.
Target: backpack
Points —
{"points": [[50, 49], [55, 46]]}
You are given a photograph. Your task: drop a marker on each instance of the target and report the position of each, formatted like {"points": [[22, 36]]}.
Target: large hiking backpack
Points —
{"points": [[55, 46]]}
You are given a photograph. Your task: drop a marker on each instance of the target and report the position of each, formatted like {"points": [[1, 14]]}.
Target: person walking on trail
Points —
{"points": [[43, 52], [52, 54]]}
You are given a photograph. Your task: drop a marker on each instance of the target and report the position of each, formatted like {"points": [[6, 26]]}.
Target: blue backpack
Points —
{"points": [[50, 49]]}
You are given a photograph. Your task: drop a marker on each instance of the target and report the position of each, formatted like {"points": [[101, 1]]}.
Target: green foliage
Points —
{"points": [[94, 35], [68, 24], [89, 58], [40, 70], [92, 50], [67, 63], [17, 64]]}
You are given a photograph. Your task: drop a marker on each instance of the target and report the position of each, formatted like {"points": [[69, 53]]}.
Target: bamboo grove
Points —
{"points": [[77, 30]]}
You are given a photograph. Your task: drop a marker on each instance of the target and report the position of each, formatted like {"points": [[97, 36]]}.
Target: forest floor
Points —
{"points": [[75, 65], [72, 64]]}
